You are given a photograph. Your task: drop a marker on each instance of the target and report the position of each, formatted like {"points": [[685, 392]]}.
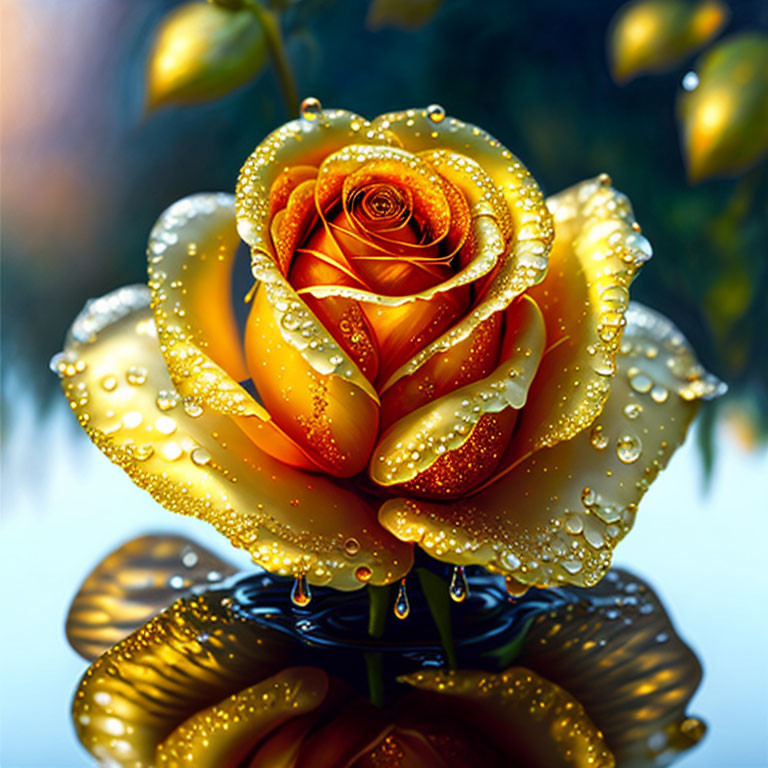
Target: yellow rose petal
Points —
{"points": [[198, 462], [583, 298], [135, 582], [414, 443], [556, 517], [225, 733], [619, 655], [519, 712]]}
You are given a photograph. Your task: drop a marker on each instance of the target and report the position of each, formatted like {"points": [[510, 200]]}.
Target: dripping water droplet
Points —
{"points": [[435, 113], [300, 593], [311, 109], [402, 607], [459, 588]]}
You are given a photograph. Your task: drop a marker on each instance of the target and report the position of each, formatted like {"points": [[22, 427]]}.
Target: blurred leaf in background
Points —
{"points": [[649, 36], [202, 51], [403, 14], [724, 118]]}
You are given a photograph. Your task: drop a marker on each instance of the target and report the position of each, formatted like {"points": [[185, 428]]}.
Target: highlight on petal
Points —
{"points": [[193, 654], [655, 35], [197, 462], [134, 583], [618, 654], [191, 255], [723, 120], [331, 417], [521, 713], [225, 733], [556, 517], [597, 251], [429, 437]]}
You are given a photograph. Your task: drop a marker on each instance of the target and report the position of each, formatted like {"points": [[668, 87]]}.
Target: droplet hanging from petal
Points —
{"points": [[459, 588], [402, 606], [300, 593]]}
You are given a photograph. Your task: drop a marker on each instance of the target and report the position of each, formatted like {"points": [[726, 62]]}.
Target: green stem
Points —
{"points": [[380, 600], [270, 23], [435, 590]]}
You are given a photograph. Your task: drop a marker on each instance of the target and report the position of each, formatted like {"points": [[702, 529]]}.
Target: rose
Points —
{"points": [[598, 676], [432, 354]]}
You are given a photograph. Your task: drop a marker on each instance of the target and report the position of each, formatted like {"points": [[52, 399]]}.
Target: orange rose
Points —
{"points": [[433, 354]]}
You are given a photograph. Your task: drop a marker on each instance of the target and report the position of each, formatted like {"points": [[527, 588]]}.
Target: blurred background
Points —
{"points": [[100, 134]]}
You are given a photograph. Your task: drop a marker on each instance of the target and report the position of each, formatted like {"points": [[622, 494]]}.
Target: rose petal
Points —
{"points": [[427, 436], [557, 516], [524, 715], [133, 583], [584, 296], [191, 255], [290, 225], [285, 183], [618, 654], [194, 653], [224, 733], [202, 464], [331, 417]]}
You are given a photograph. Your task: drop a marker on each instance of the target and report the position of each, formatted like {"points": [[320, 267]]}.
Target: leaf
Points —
{"points": [[724, 120], [655, 35], [379, 601], [438, 599], [202, 51]]}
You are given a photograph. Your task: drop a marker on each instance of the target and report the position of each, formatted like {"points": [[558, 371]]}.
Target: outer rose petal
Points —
{"points": [[223, 734], [584, 296], [528, 718], [201, 464], [134, 583], [431, 434], [557, 516], [618, 654], [191, 254], [334, 420]]}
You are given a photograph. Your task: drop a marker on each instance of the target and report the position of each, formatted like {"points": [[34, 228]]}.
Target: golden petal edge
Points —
{"points": [[134, 582], [556, 517], [197, 462]]}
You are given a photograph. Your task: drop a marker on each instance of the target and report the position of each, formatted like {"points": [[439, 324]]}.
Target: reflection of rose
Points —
{"points": [[599, 675], [432, 355]]}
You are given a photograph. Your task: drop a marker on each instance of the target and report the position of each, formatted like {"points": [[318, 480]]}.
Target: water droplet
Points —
{"points": [[352, 546], [659, 394], [628, 448], [640, 383], [109, 383], [311, 109], [363, 573], [143, 452], [598, 438], [289, 321], [633, 410], [300, 593], [459, 588], [435, 113], [693, 728], [514, 587], [588, 496], [166, 399], [177, 582], [136, 375], [189, 558], [662, 637], [192, 408], [200, 456], [690, 81], [402, 607]]}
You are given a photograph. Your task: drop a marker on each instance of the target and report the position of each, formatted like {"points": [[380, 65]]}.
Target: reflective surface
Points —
{"points": [[714, 614]]}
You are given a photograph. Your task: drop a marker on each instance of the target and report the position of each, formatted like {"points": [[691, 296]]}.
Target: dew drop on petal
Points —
{"points": [[363, 573], [435, 113], [598, 438], [136, 375], [633, 410], [200, 456], [628, 448], [351, 546], [311, 109]]}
